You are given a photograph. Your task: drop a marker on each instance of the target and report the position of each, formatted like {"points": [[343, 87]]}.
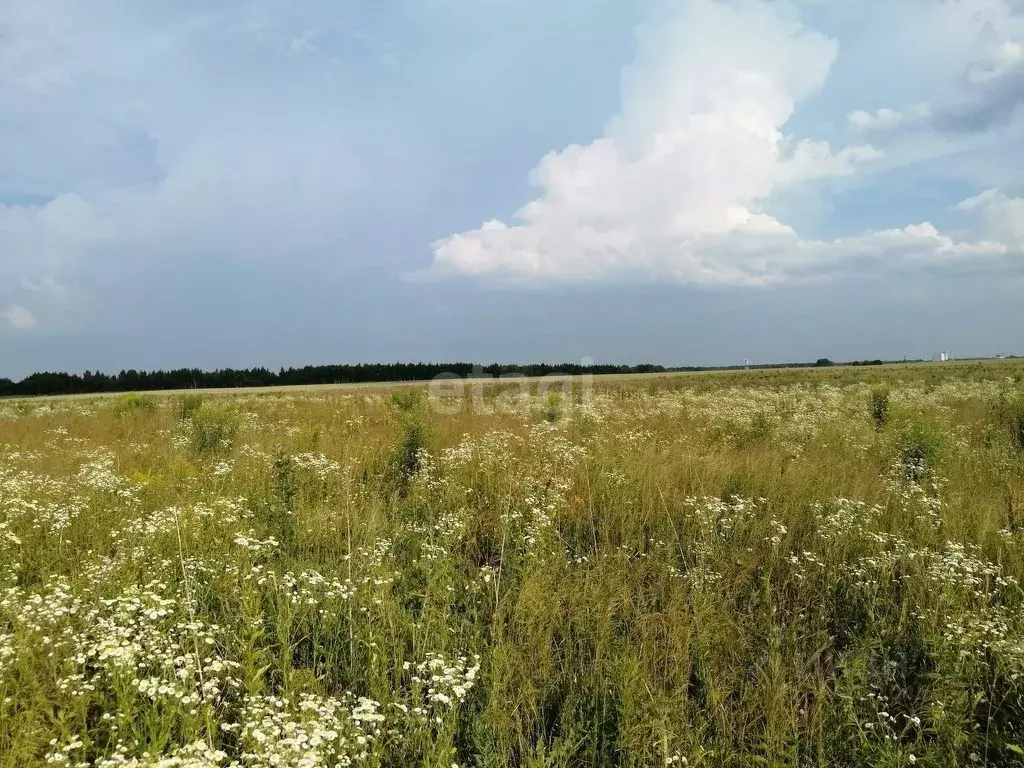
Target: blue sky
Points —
{"points": [[677, 181]]}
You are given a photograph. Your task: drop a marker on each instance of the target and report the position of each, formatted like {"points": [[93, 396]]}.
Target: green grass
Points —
{"points": [[768, 568]]}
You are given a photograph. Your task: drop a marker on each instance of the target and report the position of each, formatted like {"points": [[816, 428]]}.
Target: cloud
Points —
{"points": [[134, 136], [20, 318], [1003, 61], [206, 138], [678, 185], [994, 84], [888, 119], [1002, 216], [675, 188], [993, 102], [989, 90]]}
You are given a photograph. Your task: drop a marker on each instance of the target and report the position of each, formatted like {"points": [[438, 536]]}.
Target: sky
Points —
{"points": [[220, 183]]}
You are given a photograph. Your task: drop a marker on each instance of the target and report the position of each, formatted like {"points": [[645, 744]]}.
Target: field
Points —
{"points": [[755, 568]]}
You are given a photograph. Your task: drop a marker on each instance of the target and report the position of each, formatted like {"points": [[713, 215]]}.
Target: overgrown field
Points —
{"points": [[814, 568]]}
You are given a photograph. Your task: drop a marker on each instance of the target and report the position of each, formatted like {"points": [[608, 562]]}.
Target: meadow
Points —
{"points": [[756, 568]]}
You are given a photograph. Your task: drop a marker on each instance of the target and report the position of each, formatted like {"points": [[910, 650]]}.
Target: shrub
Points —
{"points": [[214, 428], [407, 402], [406, 458], [134, 402], [188, 405], [878, 406], [307, 438], [918, 450], [1011, 415], [742, 435], [1017, 427], [552, 407], [280, 514]]}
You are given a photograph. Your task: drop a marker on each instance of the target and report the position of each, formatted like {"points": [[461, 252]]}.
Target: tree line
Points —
{"points": [[92, 382]]}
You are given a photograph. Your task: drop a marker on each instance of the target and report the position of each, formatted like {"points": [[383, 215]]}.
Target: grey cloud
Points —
{"points": [[991, 104]]}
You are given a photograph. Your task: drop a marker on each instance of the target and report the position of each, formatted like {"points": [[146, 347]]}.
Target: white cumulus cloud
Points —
{"points": [[888, 119], [1002, 216], [677, 184]]}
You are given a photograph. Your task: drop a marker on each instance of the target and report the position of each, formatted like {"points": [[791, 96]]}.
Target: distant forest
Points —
{"points": [[193, 378], [363, 373]]}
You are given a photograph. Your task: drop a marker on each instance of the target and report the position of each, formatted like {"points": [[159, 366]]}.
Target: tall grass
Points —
{"points": [[712, 570]]}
